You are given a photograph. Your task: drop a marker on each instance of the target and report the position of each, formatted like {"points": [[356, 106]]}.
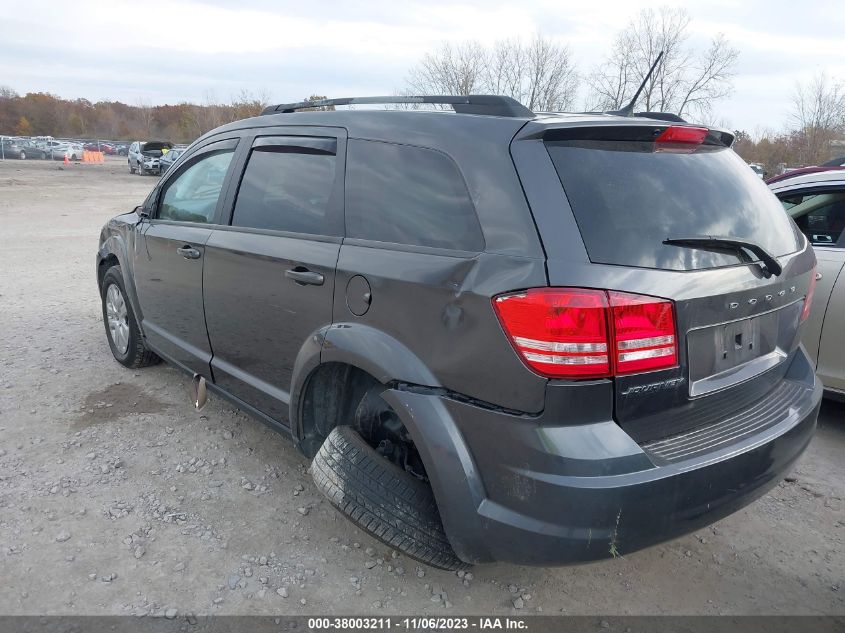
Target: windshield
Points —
{"points": [[627, 198]]}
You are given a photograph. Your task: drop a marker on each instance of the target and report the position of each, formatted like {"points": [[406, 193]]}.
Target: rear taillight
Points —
{"points": [[808, 300], [683, 134], [585, 333], [644, 332]]}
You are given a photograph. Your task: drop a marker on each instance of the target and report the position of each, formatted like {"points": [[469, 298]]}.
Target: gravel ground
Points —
{"points": [[116, 497]]}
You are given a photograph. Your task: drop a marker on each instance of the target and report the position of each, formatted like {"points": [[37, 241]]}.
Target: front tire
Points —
{"points": [[122, 332], [380, 498]]}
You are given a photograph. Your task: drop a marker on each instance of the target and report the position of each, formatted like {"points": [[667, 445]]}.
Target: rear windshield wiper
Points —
{"points": [[771, 265]]}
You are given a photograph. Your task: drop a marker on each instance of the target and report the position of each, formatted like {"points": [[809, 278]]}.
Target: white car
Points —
{"points": [[57, 150]]}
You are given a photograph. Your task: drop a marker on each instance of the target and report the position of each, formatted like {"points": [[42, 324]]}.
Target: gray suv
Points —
{"points": [[498, 335]]}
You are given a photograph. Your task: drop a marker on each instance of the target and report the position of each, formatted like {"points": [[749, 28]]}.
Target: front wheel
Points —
{"points": [[131, 168], [127, 345]]}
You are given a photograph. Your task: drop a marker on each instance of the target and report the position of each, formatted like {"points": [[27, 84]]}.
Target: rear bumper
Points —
{"points": [[524, 490]]}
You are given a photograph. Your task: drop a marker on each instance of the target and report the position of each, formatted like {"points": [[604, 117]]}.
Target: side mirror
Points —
{"points": [[142, 212]]}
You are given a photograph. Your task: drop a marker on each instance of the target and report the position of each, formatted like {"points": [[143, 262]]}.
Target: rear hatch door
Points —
{"points": [[606, 197]]}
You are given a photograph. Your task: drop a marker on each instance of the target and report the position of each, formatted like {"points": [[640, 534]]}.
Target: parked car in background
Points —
{"points": [[62, 150], [166, 161], [816, 201], [121, 149], [835, 163], [94, 146], [144, 156], [492, 330], [52, 148], [758, 169], [19, 148]]}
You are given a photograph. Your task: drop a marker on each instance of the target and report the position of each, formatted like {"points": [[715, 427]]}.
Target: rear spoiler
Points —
{"points": [[631, 130]]}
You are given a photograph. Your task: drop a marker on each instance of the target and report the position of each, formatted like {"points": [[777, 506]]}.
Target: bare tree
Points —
{"points": [[456, 69], [145, 114], [246, 104], [818, 109], [686, 81], [540, 74]]}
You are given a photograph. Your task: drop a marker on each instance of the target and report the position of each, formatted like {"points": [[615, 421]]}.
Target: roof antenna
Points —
{"points": [[628, 110]]}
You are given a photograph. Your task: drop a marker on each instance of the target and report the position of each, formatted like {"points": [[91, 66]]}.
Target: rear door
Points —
{"points": [[269, 275], [169, 255], [606, 197]]}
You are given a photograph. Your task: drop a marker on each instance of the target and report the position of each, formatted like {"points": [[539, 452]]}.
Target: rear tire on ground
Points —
{"points": [[381, 499], [127, 345]]}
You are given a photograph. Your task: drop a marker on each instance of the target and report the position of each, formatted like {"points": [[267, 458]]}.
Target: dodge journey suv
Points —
{"points": [[498, 335]]}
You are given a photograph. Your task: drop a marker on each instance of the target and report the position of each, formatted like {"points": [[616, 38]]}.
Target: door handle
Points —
{"points": [[188, 252], [818, 276], [303, 276]]}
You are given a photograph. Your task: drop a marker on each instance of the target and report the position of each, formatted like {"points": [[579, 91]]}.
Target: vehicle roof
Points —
{"points": [[831, 176], [398, 124]]}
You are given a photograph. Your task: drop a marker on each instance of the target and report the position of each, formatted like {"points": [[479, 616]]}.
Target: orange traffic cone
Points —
{"points": [[67, 162]]}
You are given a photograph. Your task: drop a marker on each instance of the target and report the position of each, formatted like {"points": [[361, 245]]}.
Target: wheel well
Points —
{"points": [[107, 262], [332, 393], [338, 394]]}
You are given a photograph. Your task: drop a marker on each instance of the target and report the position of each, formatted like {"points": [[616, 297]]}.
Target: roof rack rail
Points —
{"points": [[490, 105]]}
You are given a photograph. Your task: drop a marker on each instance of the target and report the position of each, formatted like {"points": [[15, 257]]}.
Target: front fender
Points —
{"points": [[114, 243]]}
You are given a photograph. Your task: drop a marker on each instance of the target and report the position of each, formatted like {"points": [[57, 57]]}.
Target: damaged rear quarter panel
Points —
{"points": [[439, 306]]}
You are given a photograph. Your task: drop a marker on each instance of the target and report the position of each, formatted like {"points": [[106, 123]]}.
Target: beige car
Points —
{"points": [[817, 204]]}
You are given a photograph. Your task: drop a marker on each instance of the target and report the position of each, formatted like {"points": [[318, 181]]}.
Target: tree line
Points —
{"points": [[43, 114]]}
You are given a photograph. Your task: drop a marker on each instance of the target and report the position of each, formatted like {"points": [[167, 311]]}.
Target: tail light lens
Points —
{"points": [[585, 333], [683, 134], [558, 332], [808, 300], [644, 331]]}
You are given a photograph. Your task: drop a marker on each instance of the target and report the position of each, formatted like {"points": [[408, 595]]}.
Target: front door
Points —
{"points": [[269, 276], [819, 211], [169, 252]]}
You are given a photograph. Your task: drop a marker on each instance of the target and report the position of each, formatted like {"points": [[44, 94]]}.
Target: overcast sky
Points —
{"points": [[167, 51]]}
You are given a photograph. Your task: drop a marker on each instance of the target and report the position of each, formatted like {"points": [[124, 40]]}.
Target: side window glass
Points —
{"points": [[192, 196], [408, 195], [819, 215], [286, 189]]}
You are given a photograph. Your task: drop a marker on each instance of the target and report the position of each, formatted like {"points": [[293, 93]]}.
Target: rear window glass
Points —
{"points": [[408, 195], [627, 198], [286, 191]]}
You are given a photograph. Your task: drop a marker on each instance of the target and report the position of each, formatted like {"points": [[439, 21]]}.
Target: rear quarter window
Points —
{"points": [[404, 194], [627, 198]]}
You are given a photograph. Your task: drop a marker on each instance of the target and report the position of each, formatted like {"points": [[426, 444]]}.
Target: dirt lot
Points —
{"points": [[116, 497]]}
